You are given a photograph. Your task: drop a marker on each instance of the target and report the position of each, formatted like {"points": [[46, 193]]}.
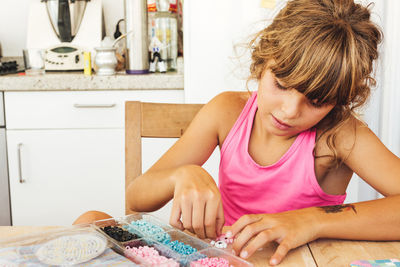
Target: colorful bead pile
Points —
{"points": [[180, 247], [118, 233], [211, 262], [145, 229], [150, 256]]}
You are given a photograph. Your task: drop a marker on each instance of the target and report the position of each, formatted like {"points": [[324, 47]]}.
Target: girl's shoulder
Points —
{"points": [[231, 100], [225, 108], [228, 104], [342, 138]]}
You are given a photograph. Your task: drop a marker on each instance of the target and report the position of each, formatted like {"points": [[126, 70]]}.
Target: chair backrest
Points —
{"points": [[151, 120]]}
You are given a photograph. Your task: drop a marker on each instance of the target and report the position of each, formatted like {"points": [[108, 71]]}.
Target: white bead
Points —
{"points": [[220, 244]]}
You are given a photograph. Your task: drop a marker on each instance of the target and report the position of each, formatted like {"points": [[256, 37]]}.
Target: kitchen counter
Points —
{"points": [[76, 81]]}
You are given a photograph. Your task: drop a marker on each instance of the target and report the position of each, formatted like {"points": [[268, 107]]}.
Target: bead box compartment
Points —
{"points": [[114, 223], [160, 248], [212, 252], [198, 244], [146, 225], [146, 217]]}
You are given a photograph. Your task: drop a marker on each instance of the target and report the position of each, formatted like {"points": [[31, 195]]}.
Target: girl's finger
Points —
{"points": [[175, 218], [280, 253], [259, 241], [220, 221], [186, 207], [198, 218], [240, 224], [210, 219], [248, 232]]}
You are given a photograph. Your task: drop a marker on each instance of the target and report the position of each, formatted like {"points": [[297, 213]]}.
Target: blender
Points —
{"points": [[65, 29]]}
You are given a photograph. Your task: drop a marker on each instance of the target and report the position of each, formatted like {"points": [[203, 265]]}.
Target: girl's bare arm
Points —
{"points": [[370, 220], [178, 174], [380, 168], [155, 187]]}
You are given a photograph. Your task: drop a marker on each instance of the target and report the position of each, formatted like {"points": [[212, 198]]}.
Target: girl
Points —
{"points": [[289, 149]]}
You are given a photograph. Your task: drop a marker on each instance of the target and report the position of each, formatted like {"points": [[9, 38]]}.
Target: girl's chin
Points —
{"points": [[280, 133]]}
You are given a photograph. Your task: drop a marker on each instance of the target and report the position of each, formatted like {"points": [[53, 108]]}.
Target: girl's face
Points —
{"points": [[285, 111]]}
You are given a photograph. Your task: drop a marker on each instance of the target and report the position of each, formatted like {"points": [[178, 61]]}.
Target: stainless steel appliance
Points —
{"points": [[5, 210], [137, 44], [65, 28]]}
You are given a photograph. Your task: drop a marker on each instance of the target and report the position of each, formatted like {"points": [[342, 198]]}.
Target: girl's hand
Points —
{"points": [[290, 229], [198, 201]]}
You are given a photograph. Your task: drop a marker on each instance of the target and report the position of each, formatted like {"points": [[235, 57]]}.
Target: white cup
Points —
{"points": [[34, 61], [105, 60]]}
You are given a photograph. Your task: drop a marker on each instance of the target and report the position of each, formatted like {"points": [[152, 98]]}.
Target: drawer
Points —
{"points": [[77, 109]]}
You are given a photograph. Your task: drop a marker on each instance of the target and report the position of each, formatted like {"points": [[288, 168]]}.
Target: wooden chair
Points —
{"points": [[151, 120]]}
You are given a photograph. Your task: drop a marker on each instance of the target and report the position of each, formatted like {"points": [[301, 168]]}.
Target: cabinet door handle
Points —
{"points": [[94, 105], [21, 180]]}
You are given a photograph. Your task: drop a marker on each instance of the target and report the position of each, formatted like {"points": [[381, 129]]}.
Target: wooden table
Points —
{"points": [[318, 253]]}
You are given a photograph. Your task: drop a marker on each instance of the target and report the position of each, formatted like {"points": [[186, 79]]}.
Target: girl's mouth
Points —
{"points": [[280, 124]]}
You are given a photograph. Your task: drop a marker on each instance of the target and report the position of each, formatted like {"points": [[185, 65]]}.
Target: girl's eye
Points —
{"points": [[281, 87], [315, 103]]}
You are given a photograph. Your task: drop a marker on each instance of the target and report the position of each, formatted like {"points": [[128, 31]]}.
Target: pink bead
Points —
{"points": [[211, 262], [149, 256]]}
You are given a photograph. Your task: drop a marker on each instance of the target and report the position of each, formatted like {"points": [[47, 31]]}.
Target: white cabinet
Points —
{"points": [[65, 173], [68, 147]]}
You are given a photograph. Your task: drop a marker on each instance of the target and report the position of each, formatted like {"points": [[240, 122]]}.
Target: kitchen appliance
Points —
{"points": [[5, 210], [65, 28]]}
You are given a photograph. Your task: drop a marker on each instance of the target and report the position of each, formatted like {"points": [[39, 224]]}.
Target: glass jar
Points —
{"points": [[164, 26]]}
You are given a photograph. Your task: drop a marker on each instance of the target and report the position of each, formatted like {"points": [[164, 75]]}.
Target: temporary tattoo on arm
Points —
{"points": [[338, 208]]}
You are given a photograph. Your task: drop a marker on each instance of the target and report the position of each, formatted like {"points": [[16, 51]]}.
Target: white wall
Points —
{"points": [[13, 22], [214, 42]]}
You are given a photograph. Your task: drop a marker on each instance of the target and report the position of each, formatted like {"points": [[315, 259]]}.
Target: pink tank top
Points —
{"points": [[288, 184]]}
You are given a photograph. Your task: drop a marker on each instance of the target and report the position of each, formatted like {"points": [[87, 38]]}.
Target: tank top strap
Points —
{"points": [[245, 116]]}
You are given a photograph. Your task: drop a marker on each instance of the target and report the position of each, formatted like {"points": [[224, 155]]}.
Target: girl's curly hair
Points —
{"points": [[324, 49]]}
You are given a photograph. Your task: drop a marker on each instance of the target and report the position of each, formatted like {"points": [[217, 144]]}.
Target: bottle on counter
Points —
{"points": [[163, 24], [87, 63], [137, 44]]}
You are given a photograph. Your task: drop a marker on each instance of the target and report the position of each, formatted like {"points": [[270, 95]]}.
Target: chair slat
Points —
{"points": [[151, 120]]}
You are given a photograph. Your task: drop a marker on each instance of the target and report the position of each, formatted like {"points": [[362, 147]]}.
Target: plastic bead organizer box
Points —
{"points": [[134, 240]]}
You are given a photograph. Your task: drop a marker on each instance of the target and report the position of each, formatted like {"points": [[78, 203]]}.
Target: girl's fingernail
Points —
{"points": [[243, 254], [228, 234], [274, 262], [233, 252]]}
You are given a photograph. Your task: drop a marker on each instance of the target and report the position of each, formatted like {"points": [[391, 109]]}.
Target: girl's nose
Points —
{"points": [[291, 105]]}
